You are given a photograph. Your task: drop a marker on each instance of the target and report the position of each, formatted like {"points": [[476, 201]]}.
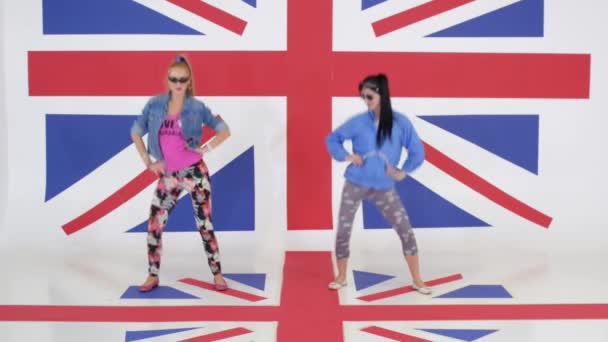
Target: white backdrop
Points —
{"points": [[3, 115]]}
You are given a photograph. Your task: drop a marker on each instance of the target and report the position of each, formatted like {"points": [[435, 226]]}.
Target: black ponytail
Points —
{"points": [[379, 84]]}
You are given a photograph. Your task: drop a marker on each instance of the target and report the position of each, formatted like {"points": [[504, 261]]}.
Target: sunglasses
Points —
{"points": [[179, 80], [367, 97]]}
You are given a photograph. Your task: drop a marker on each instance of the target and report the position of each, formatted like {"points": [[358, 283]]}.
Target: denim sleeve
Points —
{"points": [[218, 125], [140, 125], [335, 140], [414, 146]]}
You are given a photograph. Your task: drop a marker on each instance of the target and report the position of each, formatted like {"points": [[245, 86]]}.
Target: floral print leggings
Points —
{"points": [[389, 204], [195, 180]]}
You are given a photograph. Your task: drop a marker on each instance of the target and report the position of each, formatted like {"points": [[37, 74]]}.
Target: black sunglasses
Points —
{"points": [[180, 80], [367, 97]]}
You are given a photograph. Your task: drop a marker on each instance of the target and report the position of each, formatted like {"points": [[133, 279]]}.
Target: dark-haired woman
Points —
{"points": [[378, 137]]}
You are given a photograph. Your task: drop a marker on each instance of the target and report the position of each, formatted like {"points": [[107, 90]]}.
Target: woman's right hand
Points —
{"points": [[158, 167], [395, 173], [355, 159]]}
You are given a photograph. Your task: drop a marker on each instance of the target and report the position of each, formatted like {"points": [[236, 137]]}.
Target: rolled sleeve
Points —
{"points": [[140, 125], [217, 124], [335, 140], [414, 146]]}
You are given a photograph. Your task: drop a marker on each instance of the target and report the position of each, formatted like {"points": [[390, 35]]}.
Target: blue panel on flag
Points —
{"points": [[365, 4], [461, 334], [107, 17], [364, 280], [78, 144], [145, 334], [255, 280], [512, 137], [234, 194], [425, 208], [521, 19], [478, 291], [161, 292], [233, 198], [252, 3]]}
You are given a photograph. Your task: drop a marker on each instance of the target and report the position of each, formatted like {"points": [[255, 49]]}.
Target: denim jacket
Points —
{"points": [[194, 115], [361, 130]]}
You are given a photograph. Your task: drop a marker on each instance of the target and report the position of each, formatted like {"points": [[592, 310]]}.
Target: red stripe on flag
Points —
{"points": [[485, 188], [142, 73], [308, 114], [128, 191], [219, 313], [213, 14], [467, 75], [409, 288], [411, 74], [220, 335], [230, 292], [311, 312], [162, 313], [393, 335], [414, 15]]}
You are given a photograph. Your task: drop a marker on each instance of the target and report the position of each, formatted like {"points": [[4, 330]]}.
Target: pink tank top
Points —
{"points": [[175, 151]]}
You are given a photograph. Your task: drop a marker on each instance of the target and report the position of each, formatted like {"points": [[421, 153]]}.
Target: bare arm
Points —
{"points": [[141, 149]]}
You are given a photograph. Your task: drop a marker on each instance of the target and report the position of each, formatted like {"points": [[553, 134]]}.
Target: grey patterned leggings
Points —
{"points": [[389, 204]]}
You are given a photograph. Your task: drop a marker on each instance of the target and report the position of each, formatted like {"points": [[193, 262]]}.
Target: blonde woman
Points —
{"points": [[174, 123]]}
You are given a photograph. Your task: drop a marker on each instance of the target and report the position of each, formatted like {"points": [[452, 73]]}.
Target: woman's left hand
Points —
{"points": [[396, 174]]}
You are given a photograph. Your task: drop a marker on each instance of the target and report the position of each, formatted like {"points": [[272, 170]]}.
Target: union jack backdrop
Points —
{"points": [[498, 90]]}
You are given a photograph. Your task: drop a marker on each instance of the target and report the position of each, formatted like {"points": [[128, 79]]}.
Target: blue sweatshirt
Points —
{"points": [[361, 130]]}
